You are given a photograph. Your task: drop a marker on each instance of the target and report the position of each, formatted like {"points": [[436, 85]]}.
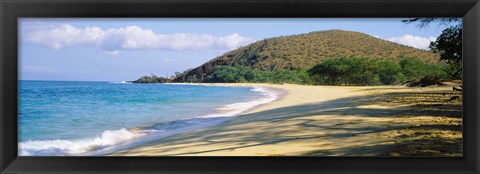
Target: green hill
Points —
{"points": [[305, 50]]}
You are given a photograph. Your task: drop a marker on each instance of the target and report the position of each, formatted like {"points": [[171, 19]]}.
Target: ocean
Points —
{"points": [[69, 118]]}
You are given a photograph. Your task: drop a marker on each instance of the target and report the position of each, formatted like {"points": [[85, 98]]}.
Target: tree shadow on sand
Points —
{"points": [[295, 123], [418, 147]]}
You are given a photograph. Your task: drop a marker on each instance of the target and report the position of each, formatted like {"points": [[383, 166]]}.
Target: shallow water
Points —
{"points": [[94, 118]]}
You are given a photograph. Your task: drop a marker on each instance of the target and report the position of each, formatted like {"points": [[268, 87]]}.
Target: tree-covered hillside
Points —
{"points": [[303, 51]]}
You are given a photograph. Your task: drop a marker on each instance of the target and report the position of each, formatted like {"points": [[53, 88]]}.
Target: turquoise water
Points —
{"points": [[78, 118]]}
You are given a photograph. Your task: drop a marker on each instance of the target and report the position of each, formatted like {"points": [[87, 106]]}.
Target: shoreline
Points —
{"points": [[266, 89], [284, 99], [126, 138], [309, 121], [278, 93]]}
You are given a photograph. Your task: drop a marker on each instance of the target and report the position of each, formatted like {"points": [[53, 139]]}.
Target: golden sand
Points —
{"points": [[329, 121]]}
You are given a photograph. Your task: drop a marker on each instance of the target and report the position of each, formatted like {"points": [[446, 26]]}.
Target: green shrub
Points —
{"points": [[151, 79], [345, 71], [361, 71], [335, 71], [390, 73], [231, 74]]}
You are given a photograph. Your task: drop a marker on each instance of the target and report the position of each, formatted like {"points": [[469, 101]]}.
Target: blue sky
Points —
{"points": [[104, 49]]}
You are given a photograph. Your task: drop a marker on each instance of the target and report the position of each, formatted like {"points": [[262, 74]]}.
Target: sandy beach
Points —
{"points": [[330, 121]]}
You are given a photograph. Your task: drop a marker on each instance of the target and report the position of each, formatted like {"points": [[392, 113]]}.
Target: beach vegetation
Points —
{"points": [[362, 71], [333, 57], [229, 74], [237, 74], [284, 54], [151, 79], [413, 69], [335, 71], [449, 46]]}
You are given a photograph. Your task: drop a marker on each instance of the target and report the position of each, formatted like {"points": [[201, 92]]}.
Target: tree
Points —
{"points": [[424, 22], [413, 68], [361, 71], [192, 79], [449, 45], [345, 71], [231, 74], [151, 79], [390, 73], [178, 74]]}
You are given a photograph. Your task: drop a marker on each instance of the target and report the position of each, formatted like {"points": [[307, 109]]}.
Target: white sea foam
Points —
{"points": [[65, 147], [113, 140], [121, 82], [161, 131], [234, 109]]}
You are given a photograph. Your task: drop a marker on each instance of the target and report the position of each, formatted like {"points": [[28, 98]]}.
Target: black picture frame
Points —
{"points": [[11, 10]]}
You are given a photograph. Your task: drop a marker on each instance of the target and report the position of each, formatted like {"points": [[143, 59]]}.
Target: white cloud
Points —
{"points": [[64, 36], [413, 41], [113, 40], [38, 69]]}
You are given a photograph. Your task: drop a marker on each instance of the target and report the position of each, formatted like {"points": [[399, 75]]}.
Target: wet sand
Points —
{"points": [[329, 121]]}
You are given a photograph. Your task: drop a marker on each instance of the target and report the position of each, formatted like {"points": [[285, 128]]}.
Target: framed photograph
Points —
{"points": [[239, 87]]}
